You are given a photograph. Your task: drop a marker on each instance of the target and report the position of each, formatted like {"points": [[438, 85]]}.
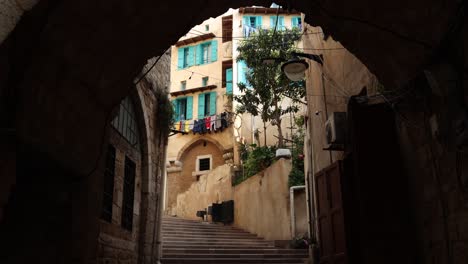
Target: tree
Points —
{"points": [[267, 85]]}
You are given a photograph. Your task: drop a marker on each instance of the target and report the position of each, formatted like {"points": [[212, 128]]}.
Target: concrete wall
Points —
{"points": [[300, 213], [261, 203]]}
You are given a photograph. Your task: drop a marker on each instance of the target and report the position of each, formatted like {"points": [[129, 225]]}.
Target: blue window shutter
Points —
{"points": [[213, 103], [191, 56], [199, 54], [201, 106], [258, 22], [295, 22], [281, 23], [180, 58], [214, 50], [189, 108], [272, 21], [175, 105], [241, 78], [246, 20], [229, 81]]}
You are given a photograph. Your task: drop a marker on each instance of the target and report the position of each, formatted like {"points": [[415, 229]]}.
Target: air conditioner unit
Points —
{"points": [[335, 131]]}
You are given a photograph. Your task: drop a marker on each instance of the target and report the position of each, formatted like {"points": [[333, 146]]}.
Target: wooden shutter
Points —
{"points": [[258, 22], [281, 23], [180, 58], [191, 56], [189, 108], [212, 103], [214, 50], [227, 28], [201, 106], [175, 106], [229, 81], [199, 54]]}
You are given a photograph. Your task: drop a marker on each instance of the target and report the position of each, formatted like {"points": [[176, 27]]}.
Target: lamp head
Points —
{"points": [[295, 69]]}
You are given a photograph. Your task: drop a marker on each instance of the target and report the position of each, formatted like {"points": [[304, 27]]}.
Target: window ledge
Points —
{"points": [[198, 173], [194, 90]]}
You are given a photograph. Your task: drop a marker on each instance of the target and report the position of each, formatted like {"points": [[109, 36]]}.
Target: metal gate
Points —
{"points": [[330, 220]]}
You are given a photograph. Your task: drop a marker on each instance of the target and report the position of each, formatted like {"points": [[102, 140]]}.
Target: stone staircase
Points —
{"points": [[189, 241]]}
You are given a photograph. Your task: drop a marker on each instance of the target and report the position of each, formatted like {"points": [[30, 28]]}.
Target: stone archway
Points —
{"points": [[69, 63]]}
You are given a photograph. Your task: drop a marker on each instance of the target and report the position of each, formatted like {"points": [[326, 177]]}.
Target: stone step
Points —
{"points": [[246, 244], [235, 251], [203, 232], [215, 246], [191, 241], [230, 260], [239, 255]]}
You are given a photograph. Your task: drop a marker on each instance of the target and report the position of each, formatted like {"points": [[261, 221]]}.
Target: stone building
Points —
{"points": [[132, 189], [66, 65]]}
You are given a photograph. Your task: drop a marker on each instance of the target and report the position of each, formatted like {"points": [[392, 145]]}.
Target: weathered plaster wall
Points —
{"points": [[329, 88], [261, 203], [211, 188]]}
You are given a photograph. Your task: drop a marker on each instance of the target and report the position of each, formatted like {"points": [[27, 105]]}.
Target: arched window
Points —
{"points": [[126, 124]]}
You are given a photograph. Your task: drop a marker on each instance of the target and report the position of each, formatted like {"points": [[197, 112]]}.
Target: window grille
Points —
{"points": [[126, 123], [128, 194], [204, 164]]}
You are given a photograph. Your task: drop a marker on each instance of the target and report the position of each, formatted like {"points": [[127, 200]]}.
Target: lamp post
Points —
{"points": [[295, 69]]}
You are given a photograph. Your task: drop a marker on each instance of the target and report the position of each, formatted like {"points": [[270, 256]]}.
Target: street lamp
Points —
{"points": [[295, 68]]}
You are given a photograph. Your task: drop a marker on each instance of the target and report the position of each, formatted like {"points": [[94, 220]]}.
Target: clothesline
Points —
{"points": [[204, 125]]}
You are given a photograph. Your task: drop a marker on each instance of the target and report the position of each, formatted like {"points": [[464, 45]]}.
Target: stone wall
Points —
{"points": [[180, 180], [214, 187]]}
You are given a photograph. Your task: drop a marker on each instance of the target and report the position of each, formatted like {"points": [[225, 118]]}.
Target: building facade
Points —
{"points": [[204, 78]]}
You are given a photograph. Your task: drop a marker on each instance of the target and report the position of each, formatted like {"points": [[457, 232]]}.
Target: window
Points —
{"points": [[183, 85], [207, 52], [108, 195], [128, 194], [226, 65], [251, 24], [206, 104], [203, 163], [207, 27], [183, 108], [296, 22], [205, 81], [280, 25], [206, 49], [186, 56], [126, 123]]}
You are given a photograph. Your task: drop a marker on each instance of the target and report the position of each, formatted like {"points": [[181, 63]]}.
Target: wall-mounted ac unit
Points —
{"points": [[335, 131]]}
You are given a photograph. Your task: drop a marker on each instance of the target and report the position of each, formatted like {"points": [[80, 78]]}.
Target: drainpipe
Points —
{"points": [[291, 201]]}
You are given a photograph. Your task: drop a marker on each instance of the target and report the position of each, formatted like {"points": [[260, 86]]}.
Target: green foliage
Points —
{"points": [[269, 84], [255, 159], [296, 176]]}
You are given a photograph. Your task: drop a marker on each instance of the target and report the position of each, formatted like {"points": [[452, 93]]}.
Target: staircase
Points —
{"points": [[189, 241]]}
